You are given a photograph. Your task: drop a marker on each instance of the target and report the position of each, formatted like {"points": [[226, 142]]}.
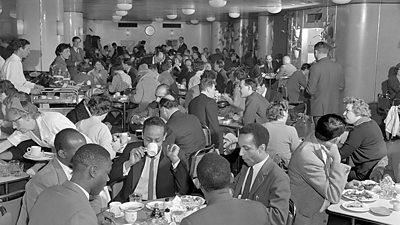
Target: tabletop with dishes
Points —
{"points": [[370, 201], [160, 211]]}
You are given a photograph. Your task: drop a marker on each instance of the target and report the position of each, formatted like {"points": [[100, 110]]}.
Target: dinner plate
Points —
{"points": [[362, 196], [45, 157], [380, 211], [151, 205], [355, 207]]}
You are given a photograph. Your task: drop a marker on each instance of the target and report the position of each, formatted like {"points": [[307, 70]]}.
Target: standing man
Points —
{"points": [[261, 179], [317, 177], [76, 57], [182, 46], [222, 78], [13, 71], [256, 105], [206, 109], [326, 83], [69, 203]]}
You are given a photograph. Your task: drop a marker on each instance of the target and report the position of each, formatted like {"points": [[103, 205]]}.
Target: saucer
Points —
{"points": [[45, 157], [42, 154]]}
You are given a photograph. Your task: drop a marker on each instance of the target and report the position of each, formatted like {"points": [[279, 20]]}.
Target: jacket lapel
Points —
{"points": [[260, 176], [136, 176], [238, 187], [59, 171]]}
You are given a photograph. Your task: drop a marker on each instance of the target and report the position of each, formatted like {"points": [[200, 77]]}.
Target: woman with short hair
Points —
{"points": [[365, 144], [59, 67]]}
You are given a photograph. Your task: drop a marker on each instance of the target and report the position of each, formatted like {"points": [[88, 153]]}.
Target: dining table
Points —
{"points": [[368, 216]]}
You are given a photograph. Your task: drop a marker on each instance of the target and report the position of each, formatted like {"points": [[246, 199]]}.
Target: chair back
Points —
{"points": [[195, 158], [384, 104], [207, 135], [292, 213]]}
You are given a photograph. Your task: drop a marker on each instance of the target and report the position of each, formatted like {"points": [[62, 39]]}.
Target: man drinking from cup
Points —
{"points": [[151, 167]]}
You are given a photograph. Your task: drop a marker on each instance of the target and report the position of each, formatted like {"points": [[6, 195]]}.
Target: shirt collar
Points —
{"points": [[66, 169], [84, 191], [257, 166], [16, 57]]}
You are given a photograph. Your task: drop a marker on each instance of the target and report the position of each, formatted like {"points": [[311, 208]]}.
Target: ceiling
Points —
{"points": [[147, 10]]}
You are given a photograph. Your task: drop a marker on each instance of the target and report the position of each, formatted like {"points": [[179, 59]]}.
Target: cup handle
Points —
{"points": [[28, 150]]}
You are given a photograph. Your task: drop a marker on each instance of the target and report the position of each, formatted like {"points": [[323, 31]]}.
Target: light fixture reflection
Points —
{"points": [[124, 5]]}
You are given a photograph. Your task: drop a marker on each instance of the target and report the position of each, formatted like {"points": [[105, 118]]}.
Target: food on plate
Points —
{"points": [[355, 204], [359, 195], [368, 184]]}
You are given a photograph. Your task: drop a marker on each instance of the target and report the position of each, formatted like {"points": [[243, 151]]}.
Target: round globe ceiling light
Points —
{"points": [[121, 13], [188, 11], [217, 3], [116, 17], [194, 21], [234, 12], [275, 8], [172, 16], [124, 5], [210, 18], [158, 19], [341, 1]]}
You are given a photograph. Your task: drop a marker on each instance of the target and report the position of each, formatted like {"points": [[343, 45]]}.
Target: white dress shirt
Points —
{"points": [[256, 169], [49, 124], [12, 70]]}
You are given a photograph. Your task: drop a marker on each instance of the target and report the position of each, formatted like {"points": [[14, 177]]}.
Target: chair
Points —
{"points": [[292, 213], [207, 135], [384, 104], [195, 158]]}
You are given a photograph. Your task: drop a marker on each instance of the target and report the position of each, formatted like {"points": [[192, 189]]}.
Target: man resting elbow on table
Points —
{"points": [[153, 176]]}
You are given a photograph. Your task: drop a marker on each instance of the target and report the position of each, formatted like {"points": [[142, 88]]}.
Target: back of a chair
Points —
{"points": [[292, 213], [207, 134], [195, 158], [384, 104]]}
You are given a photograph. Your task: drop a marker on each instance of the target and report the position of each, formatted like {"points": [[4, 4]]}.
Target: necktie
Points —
{"points": [[150, 190], [247, 185]]}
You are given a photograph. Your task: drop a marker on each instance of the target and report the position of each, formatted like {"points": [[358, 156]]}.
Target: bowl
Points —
{"points": [[222, 104], [131, 206]]}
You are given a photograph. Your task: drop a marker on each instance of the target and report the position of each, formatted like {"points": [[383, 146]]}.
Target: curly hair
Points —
{"points": [[99, 104], [360, 107], [277, 110]]}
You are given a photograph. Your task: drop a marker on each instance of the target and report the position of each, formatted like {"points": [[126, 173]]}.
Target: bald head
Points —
{"points": [[286, 60], [161, 91], [66, 143]]}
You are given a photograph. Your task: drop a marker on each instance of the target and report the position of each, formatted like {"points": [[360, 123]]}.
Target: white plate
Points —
{"points": [[151, 205], [121, 214], [45, 157], [373, 198], [347, 206]]}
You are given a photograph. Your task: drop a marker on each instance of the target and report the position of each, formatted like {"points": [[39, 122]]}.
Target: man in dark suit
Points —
{"points": [[77, 56], [182, 46], [206, 109], [267, 92], [183, 129], [326, 83], [69, 203], [260, 179], [158, 176], [393, 84], [297, 80], [56, 172], [213, 172], [256, 105]]}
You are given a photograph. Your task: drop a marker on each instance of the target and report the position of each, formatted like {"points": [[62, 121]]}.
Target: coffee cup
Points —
{"points": [[152, 149], [139, 134], [34, 151], [114, 208], [124, 138]]}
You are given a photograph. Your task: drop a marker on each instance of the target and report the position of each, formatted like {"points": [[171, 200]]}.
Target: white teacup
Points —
{"points": [[152, 149], [130, 210], [124, 138], [114, 208], [34, 150], [139, 133]]}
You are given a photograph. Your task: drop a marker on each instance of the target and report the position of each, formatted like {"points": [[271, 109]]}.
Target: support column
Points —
{"points": [[73, 26], [240, 44], [216, 36], [265, 35], [39, 19]]}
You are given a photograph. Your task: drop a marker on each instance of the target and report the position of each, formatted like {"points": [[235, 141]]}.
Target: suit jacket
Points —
{"points": [[394, 87], [52, 174], [169, 181], [270, 187], [61, 205], [182, 48], [185, 131], [315, 182], [325, 86], [271, 68], [256, 109], [223, 209], [206, 110], [293, 84], [76, 56]]}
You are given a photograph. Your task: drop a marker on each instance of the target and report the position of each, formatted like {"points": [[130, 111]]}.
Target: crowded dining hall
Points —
{"points": [[199, 112]]}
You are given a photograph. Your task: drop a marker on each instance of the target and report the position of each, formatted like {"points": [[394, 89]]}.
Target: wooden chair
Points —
{"points": [[207, 135], [195, 158]]}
